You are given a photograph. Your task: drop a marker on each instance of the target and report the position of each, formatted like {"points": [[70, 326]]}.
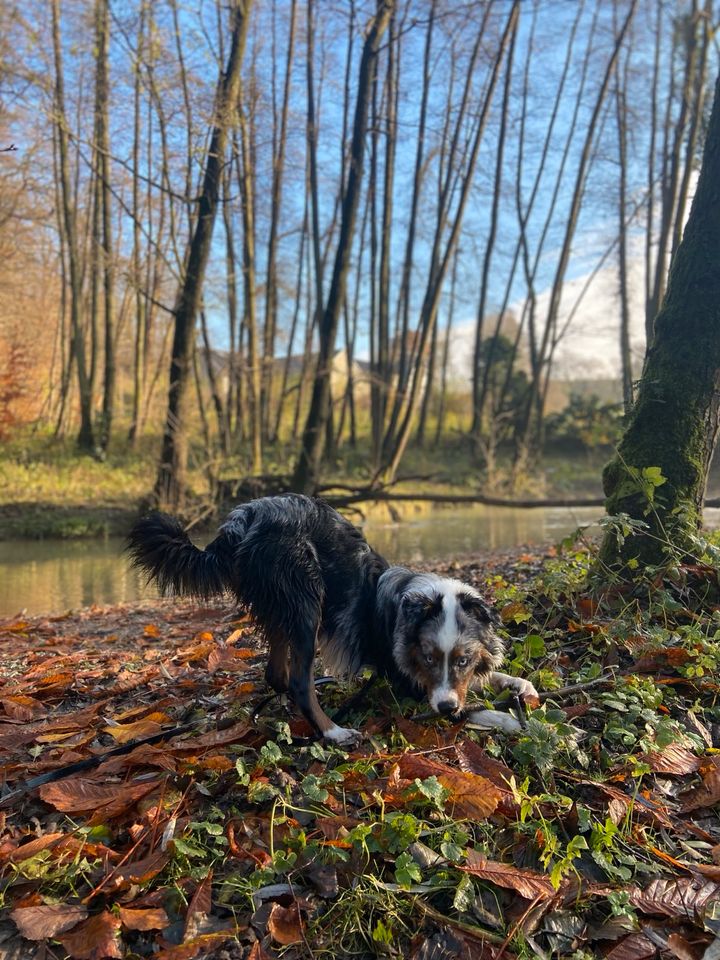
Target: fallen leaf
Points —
{"points": [[635, 947], [199, 907], [419, 735], [527, 883], [707, 794], [125, 732], [285, 924], [675, 897], [154, 918], [200, 946], [144, 755], [23, 708], [228, 658], [150, 630], [48, 920], [95, 939], [673, 759], [140, 871], [25, 850], [216, 738], [14, 626], [257, 952], [516, 612], [680, 948], [75, 795], [470, 795]]}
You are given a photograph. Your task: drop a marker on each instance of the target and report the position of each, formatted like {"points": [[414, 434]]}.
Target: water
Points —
{"points": [[52, 576]]}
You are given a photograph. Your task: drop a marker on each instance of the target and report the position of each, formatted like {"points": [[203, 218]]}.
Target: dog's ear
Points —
{"points": [[419, 607], [476, 608]]}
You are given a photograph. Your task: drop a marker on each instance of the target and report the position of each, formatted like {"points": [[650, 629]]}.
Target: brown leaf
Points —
{"points": [[144, 755], [527, 883], [675, 897], [140, 871], [228, 658], [635, 947], [199, 907], [75, 795], [47, 921], [125, 732], [644, 808], [699, 728], [215, 738], [23, 708], [473, 759], [257, 952], [705, 795], [419, 735], [95, 939], [152, 919], [285, 924], [26, 850], [200, 946], [14, 626], [673, 759], [470, 795], [680, 948]]}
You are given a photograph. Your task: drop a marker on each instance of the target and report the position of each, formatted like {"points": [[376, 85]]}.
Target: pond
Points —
{"points": [[52, 576]]}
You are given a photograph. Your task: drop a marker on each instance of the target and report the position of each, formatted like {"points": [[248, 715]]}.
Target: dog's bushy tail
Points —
{"points": [[158, 545]]}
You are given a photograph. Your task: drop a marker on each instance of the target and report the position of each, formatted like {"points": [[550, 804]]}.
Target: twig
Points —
{"points": [[563, 692], [478, 932]]}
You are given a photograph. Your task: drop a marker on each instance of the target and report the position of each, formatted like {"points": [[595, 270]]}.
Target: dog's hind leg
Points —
{"points": [[277, 671]]}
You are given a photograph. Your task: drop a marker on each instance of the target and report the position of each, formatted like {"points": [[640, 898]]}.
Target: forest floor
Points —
{"points": [[220, 831], [51, 491]]}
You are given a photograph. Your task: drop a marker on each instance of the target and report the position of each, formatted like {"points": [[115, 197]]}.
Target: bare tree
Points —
{"points": [[86, 436], [307, 469], [170, 486]]}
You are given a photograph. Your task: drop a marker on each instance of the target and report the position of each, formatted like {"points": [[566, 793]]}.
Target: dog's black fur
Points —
{"points": [[309, 578]]}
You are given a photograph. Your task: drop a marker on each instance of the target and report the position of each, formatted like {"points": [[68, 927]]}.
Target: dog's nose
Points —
{"points": [[447, 706]]}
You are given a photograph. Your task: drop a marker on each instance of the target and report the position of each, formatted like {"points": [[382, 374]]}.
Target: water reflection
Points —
{"points": [[53, 576]]}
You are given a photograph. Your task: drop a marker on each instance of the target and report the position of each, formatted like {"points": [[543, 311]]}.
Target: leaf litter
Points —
{"points": [[157, 802]]}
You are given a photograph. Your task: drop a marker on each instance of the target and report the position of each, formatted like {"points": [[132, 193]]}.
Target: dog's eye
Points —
{"points": [[429, 658], [462, 662]]}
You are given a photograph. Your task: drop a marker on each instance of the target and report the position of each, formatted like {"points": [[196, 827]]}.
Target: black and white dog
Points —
{"points": [[310, 581]]}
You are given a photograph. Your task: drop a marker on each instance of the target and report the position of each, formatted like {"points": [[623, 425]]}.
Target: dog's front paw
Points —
{"points": [[523, 688], [493, 720], [343, 736]]}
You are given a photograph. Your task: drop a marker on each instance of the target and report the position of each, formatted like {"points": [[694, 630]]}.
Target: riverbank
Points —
{"points": [[194, 827], [49, 491]]}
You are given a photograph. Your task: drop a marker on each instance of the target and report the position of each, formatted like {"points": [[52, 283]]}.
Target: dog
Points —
{"points": [[313, 584]]}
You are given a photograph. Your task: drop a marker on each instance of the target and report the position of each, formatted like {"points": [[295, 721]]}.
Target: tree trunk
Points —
{"points": [[102, 154], [171, 478], [86, 439], [271, 296], [307, 469], [621, 115], [247, 194], [674, 423]]}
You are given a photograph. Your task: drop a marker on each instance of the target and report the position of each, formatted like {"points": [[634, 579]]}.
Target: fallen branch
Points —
{"points": [[364, 495]]}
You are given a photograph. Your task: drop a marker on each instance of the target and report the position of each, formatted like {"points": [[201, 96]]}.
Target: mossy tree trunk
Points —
{"points": [[674, 422]]}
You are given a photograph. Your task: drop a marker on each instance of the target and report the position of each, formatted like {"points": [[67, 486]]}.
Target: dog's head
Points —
{"points": [[444, 640]]}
